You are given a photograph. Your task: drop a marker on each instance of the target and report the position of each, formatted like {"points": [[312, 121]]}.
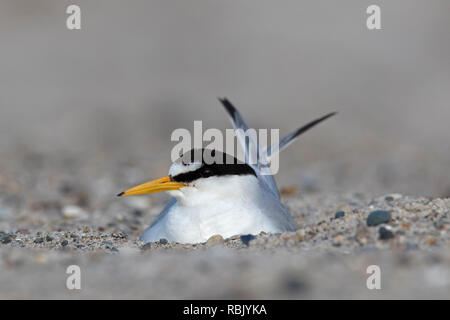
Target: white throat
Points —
{"points": [[214, 190]]}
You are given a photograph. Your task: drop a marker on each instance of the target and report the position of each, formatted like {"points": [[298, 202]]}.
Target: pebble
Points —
{"points": [[64, 243], [6, 239], [146, 246], [392, 197], [439, 224], [362, 234], [339, 214], [38, 240], [338, 240], [138, 212], [247, 238], [289, 191], [378, 217], [214, 240], [163, 241], [385, 234], [74, 212]]}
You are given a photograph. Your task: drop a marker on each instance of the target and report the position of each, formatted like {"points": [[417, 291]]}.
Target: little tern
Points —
{"points": [[224, 198]]}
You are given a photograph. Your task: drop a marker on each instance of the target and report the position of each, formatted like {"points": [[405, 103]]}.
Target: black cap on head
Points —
{"points": [[213, 163]]}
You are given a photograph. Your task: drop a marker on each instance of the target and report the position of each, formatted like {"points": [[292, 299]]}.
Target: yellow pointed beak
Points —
{"points": [[158, 185]]}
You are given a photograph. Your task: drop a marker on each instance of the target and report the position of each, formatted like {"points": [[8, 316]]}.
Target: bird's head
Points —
{"points": [[198, 171]]}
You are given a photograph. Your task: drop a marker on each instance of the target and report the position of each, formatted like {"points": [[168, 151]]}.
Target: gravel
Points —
{"points": [[326, 257]]}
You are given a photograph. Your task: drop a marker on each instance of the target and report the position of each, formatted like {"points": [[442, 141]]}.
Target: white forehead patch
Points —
{"points": [[177, 167]]}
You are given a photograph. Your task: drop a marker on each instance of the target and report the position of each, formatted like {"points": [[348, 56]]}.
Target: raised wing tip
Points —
{"points": [[228, 106], [313, 123]]}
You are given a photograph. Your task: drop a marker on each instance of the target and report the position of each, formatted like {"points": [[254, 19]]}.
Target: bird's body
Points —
{"points": [[236, 205], [224, 197]]}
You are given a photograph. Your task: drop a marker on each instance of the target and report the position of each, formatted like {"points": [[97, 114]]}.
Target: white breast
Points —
{"points": [[226, 206]]}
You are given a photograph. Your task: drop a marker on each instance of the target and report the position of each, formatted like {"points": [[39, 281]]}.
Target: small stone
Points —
{"points": [[138, 212], [247, 238], [299, 235], [378, 217], [108, 244], [439, 224], [74, 212], [431, 240], [48, 239], [339, 214], [64, 243], [385, 234], [7, 239], [392, 197], [289, 191], [214, 240], [146, 246], [38, 240], [362, 234], [163, 241], [338, 240]]}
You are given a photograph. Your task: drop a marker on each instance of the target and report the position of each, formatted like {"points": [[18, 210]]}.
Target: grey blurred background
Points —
{"points": [[86, 104]]}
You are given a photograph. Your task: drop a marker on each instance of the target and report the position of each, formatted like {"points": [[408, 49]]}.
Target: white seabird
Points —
{"points": [[220, 198]]}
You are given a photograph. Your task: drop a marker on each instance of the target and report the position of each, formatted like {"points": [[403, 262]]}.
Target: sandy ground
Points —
{"points": [[327, 257], [86, 114]]}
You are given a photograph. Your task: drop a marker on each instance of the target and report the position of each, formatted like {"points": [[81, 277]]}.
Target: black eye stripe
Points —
{"points": [[214, 170]]}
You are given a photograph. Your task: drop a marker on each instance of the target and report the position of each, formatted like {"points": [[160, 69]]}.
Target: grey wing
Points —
{"points": [[289, 138], [164, 212], [150, 232], [250, 146]]}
